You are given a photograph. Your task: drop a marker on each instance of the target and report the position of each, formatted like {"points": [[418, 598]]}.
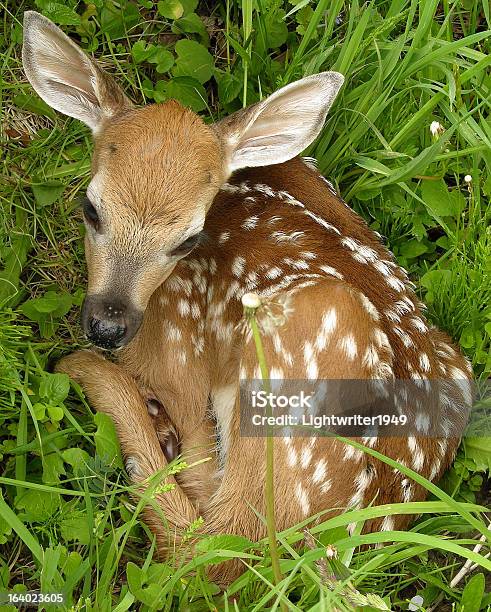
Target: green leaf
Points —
{"points": [[55, 413], [52, 468], [38, 505], [229, 87], [193, 60], [54, 387], [34, 104], [191, 24], [186, 90], [436, 280], [39, 411], [170, 9], [74, 525], [115, 22], [224, 541], [47, 193], [479, 450], [275, 27], [164, 60], [141, 52], [60, 13], [77, 458], [412, 249], [106, 440], [189, 6], [56, 305], [439, 201], [472, 594]]}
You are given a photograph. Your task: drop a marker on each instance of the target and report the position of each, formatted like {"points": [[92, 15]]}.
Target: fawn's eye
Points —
{"points": [[187, 246], [90, 213]]}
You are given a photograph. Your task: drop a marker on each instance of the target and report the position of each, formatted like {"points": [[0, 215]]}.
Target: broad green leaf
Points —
{"points": [[47, 193], [229, 87], [191, 24], [439, 201], [164, 60], [189, 6], [60, 13], [472, 594], [39, 506], [52, 468], [436, 279], [412, 249], [55, 413], [77, 458], [106, 440], [186, 90], [51, 304], [116, 23], [276, 28], [39, 411], [193, 60], [74, 525], [479, 450], [170, 9], [141, 52], [54, 387]]}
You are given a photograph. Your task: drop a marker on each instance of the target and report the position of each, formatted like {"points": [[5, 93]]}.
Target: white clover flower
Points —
{"points": [[436, 128], [468, 178]]}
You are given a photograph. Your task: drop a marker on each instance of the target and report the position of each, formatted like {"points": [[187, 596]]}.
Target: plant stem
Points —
{"points": [[269, 489]]}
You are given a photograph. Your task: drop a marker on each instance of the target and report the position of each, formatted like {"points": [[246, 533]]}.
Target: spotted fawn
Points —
{"points": [[182, 219]]}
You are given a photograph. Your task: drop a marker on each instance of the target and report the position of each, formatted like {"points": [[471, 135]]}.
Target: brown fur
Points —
{"points": [[151, 359]]}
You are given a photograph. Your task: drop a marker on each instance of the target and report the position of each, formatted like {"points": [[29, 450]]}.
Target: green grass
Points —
{"points": [[67, 519]]}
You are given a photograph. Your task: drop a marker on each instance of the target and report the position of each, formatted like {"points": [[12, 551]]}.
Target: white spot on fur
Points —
{"points": [[238, 266], [305, 457], [319, 472], [332, 272], [223, 401], [183, 307], [274, 273], [250, 223], [387, 524], [303, 498], [328, 325], [417, 453], [424, 362]]}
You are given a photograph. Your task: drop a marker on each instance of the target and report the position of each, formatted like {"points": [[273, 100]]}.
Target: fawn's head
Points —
{"points": [[156, 169]]}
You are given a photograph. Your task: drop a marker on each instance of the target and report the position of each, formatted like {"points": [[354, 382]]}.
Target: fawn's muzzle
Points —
{"points": [[109, 323]]}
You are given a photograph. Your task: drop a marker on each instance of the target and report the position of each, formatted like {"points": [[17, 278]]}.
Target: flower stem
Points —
{"points": [[270, 517]]}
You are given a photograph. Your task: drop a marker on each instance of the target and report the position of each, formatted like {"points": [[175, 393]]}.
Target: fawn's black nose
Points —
{"points": [[109, 323]]}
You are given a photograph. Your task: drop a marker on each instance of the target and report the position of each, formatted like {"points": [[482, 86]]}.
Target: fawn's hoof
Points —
{"points": [[166, 433]]}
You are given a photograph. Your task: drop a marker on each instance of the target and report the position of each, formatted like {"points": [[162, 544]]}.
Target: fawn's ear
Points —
{"points": [[282, 125], [65, 77]]}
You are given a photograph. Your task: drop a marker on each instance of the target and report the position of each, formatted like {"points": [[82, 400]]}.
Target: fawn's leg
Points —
{"points": [[111, 390]]}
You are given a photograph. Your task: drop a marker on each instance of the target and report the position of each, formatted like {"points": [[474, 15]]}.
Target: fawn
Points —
{"points": [[182, 219]]}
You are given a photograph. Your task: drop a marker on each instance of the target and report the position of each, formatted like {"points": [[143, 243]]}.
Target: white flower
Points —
{"points": [[436, 128], [467, 178], [251, 300], [416, 602]]}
